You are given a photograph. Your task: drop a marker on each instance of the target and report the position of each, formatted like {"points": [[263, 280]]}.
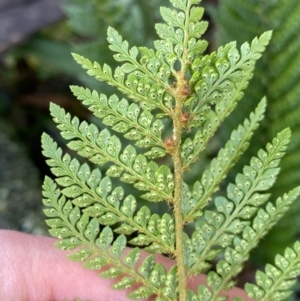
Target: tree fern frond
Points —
{"points": [[126, 119], [225, 160], [101, 147], [173, 81], [218, 229], [96, 248], [277, 281], [96, 199]]}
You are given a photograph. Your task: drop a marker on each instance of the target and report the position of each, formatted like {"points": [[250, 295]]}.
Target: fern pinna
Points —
{"points": [[174, 82], [276, 76]]}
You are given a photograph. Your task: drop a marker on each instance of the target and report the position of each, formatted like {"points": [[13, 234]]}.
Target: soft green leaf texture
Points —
{"points": [[175, 99]]}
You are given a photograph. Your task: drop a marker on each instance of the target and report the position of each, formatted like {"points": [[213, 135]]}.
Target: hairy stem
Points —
{"points": [[180, 98], [178, 171]]}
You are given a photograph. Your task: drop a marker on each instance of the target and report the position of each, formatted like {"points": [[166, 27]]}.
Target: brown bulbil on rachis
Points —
{"points": [[186, 90], [185, 117], [183, 90], [169, 144]]}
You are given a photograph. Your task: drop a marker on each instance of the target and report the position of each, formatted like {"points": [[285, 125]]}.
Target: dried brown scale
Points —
{"points": [[185, 117], [169, 144]]}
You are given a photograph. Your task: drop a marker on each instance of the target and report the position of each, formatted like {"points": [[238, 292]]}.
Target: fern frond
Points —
{"points": [[276, 282], [94, 195], [225, 160], [218, 229], [126, 119], [97, 249], [174, 81], [102, 147]]}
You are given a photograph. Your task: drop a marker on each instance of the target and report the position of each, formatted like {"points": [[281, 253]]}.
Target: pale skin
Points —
{"points": [[33, 269]]}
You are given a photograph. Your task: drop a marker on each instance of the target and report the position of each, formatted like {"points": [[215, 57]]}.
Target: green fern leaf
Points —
{"points": [[142, 292], [172, 17], [178, 86], [171, 284]]}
